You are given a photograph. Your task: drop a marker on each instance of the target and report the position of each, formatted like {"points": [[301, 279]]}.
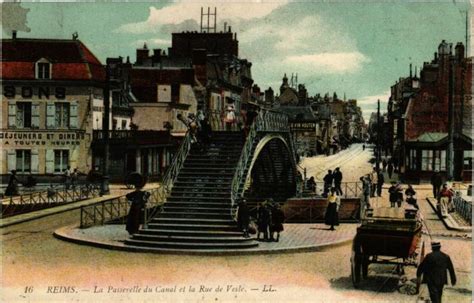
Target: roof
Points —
{"points": [[299, 113], [71, 59], [431, 137]]}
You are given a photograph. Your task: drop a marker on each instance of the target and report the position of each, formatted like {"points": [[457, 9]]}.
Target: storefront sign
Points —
{"points": [[26, 139], [10, 91]]}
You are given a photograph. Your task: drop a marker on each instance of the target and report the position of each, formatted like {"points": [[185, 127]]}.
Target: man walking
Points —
{"points": [[337, 181], [374, 180], [380, 182], [328, 178], [390, 169], [436, 181], [67, 177], [433, 268]]}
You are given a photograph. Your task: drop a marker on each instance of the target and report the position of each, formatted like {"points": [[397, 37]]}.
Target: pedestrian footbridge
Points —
{"points": [[195, 207]]}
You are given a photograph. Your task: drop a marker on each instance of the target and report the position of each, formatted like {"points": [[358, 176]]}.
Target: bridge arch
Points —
{"points": [[272, 171]]}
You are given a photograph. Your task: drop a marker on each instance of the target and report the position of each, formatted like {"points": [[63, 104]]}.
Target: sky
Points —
{"points": [[357, 48]]}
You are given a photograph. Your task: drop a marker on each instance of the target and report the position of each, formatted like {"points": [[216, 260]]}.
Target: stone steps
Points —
{"points": [[196, 215]]}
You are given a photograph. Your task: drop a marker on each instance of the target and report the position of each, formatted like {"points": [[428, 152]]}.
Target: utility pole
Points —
{"points": [[450, 151], [377, 158], [105, 132]]}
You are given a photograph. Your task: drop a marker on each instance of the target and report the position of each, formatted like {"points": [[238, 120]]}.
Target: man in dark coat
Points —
{"points": [[337, 181], [311, 185], [436, 181], [380, 182], [433, 268], [328, 178], [264, 219], [278, 217], [390, 169], [243, 217]]}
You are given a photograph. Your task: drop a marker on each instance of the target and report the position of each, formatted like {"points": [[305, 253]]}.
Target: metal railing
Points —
{"points": [[51, 196], [242, 165], [463, 207], [349, 190], [102, 212]]}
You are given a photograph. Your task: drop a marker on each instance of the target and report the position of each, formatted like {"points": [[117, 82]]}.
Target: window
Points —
{"points": [[427, 160], [114, 124], [440, 160], [23, 114], [23, 161], [116, 98], [43, 70], [412, 159], [62, 114], [124, 124], [61, 160]]}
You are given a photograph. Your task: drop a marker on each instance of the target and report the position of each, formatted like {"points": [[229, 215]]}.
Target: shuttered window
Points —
{"points": [[61, 160], [23, 160], [61, 114], [23, 114]]}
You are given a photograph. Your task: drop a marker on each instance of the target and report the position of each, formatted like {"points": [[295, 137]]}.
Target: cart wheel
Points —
{"points": [[365, 267]]}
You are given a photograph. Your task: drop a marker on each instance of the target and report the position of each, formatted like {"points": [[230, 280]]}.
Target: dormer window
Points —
{"points": [[43, 69]]}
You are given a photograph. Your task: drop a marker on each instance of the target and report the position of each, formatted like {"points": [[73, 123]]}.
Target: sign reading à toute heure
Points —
{"points": [[42, 138]]}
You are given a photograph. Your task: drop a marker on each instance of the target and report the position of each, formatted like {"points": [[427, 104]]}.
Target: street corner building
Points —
{"points": [[49, 91], [428, 112]]}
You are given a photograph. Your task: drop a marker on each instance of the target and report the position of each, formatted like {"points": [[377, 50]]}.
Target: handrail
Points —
{"points": [[349, 189], [242, 165], [104, 211], [159, 195], [73, 194]]}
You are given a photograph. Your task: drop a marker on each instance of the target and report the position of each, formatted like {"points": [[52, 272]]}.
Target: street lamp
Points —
{"points": [[104, 190]]}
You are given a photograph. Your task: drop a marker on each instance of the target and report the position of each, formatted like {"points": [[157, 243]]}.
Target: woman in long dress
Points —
{"points": [[138, 200], [332, 212]]}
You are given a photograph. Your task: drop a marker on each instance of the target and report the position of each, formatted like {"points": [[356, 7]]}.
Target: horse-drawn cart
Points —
{"points": [[386, 236]]}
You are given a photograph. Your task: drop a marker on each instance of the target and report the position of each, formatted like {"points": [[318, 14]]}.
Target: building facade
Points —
{"points": [[49, 89]]}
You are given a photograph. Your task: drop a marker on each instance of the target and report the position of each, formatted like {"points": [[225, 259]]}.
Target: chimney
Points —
{"points": [[230, 29], [436, 57], [156, 55], [459, 51], [410, 71], [142, 55], [13, 34], [225, 27]]}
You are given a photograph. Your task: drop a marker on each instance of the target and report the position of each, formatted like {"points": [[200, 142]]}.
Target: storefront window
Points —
{"points": [[427, 160], [61, 160], [413, 159], [440, 160], [62, 114], [23, 161], [23, 114]]}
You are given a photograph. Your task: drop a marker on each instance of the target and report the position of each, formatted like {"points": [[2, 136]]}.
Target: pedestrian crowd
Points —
{"points": [[269, 220]]}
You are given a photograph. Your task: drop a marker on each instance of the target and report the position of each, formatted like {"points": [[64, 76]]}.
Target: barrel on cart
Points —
{"points": [[386, 236]]}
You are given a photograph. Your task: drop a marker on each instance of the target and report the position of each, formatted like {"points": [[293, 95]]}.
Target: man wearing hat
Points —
{"points": [[433, 268]]}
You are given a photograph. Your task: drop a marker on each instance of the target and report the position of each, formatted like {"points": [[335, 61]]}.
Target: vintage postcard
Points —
{"points": [[236, 151]]}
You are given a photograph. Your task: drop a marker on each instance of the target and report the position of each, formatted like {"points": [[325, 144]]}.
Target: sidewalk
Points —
{"points": [[116, 190], [295, 238], [448, 221]]}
